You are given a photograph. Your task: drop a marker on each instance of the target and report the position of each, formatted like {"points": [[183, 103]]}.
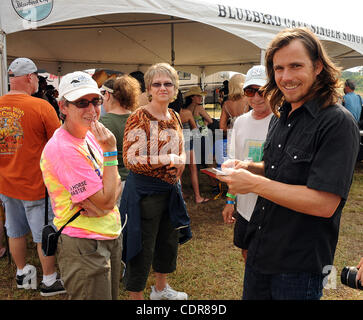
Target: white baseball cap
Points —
{"points": [[22, 66], [256, 76], [76, 85]]}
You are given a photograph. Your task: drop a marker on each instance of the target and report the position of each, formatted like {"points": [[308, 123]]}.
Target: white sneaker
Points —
{"points": [[28, 280], [167, 294]]}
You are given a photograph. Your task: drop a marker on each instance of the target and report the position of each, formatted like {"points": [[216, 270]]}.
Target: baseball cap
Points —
{"points": [[22, 66], [256, 76], [76, 85]]}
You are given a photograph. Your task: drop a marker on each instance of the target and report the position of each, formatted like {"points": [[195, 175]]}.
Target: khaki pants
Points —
{"points": [[90, 269]]}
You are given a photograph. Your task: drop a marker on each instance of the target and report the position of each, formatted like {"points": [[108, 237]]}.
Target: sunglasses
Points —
{"points": [[250, 92], [84, 103], [166, 84]]}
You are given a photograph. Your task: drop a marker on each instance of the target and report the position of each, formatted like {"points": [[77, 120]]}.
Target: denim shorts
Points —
{"points": [[23, 216]]}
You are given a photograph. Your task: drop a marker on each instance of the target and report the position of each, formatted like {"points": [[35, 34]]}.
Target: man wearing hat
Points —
{"points": [[79, 165], [26, 124], [248, 136]]}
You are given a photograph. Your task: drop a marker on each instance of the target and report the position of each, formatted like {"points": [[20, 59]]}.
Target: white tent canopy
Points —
{"points": [[128, 35]]}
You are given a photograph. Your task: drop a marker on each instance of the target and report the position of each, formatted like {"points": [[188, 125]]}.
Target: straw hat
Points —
{"points": [[195, 91]]}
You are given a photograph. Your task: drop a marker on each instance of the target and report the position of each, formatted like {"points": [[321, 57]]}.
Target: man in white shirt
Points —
{"points": [[248, 136]]}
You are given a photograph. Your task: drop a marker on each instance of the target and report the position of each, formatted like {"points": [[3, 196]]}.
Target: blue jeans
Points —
{"points": [[283, 286]]}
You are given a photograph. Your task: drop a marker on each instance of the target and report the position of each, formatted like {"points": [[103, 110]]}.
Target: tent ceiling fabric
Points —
{"points": [[129, 48], [208, 37]]}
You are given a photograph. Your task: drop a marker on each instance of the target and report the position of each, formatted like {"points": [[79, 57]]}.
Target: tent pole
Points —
{"points": [[3, 64], [59, 72], [262, 59], [172, 43]]}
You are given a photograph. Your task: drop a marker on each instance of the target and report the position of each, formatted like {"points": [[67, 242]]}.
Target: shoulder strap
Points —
{"points": [[69, 221], [46, 214], [177, 116], [226, 108], [46, 207]]}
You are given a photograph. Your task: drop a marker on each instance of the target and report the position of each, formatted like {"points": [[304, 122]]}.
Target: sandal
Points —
{"points": [[2, 252]]}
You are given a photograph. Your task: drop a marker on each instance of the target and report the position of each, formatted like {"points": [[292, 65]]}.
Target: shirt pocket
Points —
{"points": [[297, 165]]}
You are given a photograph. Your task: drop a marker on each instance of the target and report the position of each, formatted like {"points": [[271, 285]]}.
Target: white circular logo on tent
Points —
{"points": [[33, 10]]}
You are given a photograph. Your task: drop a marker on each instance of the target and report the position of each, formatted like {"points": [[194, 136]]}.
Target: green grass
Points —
{"points": [[210, 267]]}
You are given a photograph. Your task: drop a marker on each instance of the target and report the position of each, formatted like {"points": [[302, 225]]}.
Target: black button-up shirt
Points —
{"points": [[313, 147]]}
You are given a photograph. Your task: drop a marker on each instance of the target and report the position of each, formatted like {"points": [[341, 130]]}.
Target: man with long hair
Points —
{"points": [[305, 176]]}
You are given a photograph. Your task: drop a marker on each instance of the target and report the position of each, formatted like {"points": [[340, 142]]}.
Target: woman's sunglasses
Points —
{"points": [[250, 92], [84, 103], [166, 84]]}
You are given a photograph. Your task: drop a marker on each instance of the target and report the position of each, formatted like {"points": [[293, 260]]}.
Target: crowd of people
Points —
{"points": [[114, 177]]}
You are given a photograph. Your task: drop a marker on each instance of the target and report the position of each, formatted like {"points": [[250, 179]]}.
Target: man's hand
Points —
{"points": [[235, 164], [238, 181], [228, 214]]}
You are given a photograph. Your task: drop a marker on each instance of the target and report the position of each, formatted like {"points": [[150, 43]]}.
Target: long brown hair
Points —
{"points": [[325, 88]]}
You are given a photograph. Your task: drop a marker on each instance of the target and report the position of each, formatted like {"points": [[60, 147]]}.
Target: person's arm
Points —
{"points": [[105, 198], [191, 121], [295, 197], [227, 213], [136, 145], [202, 112], [223, 119]]}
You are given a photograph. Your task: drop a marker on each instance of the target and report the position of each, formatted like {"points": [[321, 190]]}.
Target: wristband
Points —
{"points": [[110, 163], [230, 195], [110, 154], [230, 202]]}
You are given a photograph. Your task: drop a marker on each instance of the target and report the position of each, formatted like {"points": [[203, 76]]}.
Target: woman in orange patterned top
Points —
{"points": [[157, 218]]}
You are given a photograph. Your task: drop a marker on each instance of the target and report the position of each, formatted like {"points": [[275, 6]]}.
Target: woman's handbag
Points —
{"points": [[49, 234]]}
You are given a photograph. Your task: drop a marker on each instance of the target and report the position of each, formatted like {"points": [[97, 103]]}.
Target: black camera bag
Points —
{"points": [[49, 234]]}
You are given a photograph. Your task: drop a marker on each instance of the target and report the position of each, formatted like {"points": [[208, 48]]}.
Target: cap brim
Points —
{"points": [[254, 82], [79, 93], [195, 94]]}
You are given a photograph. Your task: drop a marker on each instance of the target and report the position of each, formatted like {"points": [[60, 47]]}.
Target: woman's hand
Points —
{"points": [[89, 209], [176, 165], [104, 137]]}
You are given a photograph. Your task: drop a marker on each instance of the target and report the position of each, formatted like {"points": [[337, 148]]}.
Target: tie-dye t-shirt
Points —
{"points": [[72, 171]]}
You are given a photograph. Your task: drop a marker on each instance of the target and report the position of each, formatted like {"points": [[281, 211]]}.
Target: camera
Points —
{"points": [[348, 277]]}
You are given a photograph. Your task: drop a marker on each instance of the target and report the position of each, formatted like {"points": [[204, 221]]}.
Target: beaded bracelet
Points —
{"points": [[230, 202], [230, 195], [110, 154], [110, 163]]}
